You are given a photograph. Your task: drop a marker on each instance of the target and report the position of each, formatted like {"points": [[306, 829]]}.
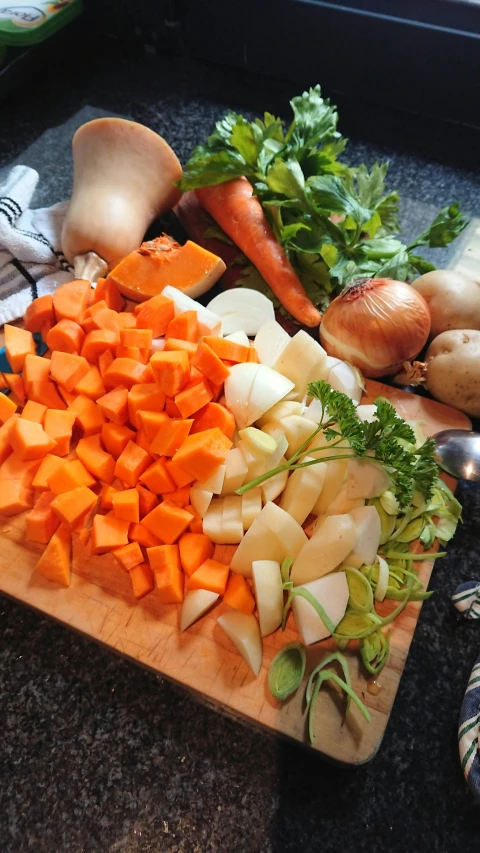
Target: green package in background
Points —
{"points": [[22, 24]]}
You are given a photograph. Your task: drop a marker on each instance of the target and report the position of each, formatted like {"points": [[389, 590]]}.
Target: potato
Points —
{"points": [[453, 370], [453, 300]]}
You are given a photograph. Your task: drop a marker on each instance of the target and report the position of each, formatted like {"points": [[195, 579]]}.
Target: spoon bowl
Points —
{"points": [[457, 451]]}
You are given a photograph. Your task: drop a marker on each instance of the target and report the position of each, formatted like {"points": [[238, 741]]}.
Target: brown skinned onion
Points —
{"points": [[376, 324]]}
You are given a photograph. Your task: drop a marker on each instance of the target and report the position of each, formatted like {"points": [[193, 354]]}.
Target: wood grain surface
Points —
{"points": [[99, 604]]}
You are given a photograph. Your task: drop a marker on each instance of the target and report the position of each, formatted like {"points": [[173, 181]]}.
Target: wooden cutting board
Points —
{"points": [[100, 605]]}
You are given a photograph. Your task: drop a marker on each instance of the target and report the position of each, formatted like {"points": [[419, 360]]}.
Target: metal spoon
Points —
{"points": [[458, 453]]}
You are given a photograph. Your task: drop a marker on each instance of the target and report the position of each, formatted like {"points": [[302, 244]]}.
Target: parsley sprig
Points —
{"points": [[386, 438]]}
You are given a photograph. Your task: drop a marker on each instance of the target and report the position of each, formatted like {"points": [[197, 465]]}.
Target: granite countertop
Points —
{"points": [[99, 756]]}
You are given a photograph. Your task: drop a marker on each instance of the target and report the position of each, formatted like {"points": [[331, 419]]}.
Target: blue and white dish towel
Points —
{"points": [[466, 599], [31, 258]]}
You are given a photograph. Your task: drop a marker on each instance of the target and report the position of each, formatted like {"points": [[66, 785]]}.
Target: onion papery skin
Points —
{"points": [[376, 324]]}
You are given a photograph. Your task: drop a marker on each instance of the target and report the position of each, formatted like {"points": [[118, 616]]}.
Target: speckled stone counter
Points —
{"points": [[99, 756]]}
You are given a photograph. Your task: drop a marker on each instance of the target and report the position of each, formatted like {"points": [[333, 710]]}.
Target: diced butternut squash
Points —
{"points": [[107, 291], [147, 270], [208, 363], [193, 399], [150, 422], [15, 468], [39, 314], [141, 338], [177, 345], [184, 327], [180, 477], [169, 582], [36, 369], [180, 497], [155, 314], [194, 548], [196, 524], [139, 533], [108, 533], [141, 577], [106, 496], [131, 463], [71, 300], [54, 564], [171, 409], [239, 595], [130, 556], [170, 437], [164, 555], [114, 405], [44, 391], [41, 522], [126, 505], [90, 418], [34, 412], [91, 384], [105, 318], [74, 505], [201, 453], [147, 500], [16, 385], [210, 575], [98, 342], [125, 372], [48, 466], [115, 437], [7, 408], [59, 425], [30, 440], [95, 459], [68, 368], [167, 521], [65, 477], [136, 354], [214, 415], [145, 397], [15, 497], [157, 479], [18, 344], [171, 371], [105, 359], [5, 430], [227, 350], [66, 336]]}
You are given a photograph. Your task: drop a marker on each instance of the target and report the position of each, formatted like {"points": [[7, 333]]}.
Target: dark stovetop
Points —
{"points": [[99, 756]]}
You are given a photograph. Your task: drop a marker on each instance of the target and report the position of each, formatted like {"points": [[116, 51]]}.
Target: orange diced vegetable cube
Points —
{"points": [[65, 336], [41, 522], [59, 425], [141, 577], [129, 556], [131, 463], [145, 397], [194, 548], [96, 460], [34, 412], [108, 533], [18, 344], [114, 405], [147, 500], [116, 437], [214, 415], [7, 407], [30, 440], [201, 453], [170, 437], [67, 476], [74, 505], [171, 371], [90, 418], [193, 399], [15, 497], [126, 505], [48, 466], [239, 595], [139, 533], [210, 575], [157, 479], [167, 521], [54, 564], [123, 371], [208, 363]]}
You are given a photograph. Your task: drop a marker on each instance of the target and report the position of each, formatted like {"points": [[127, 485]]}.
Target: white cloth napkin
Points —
{"points": [[31, 259]]}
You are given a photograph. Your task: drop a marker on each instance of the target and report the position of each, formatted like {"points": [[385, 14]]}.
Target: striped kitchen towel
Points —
{"points": [[31, 258], [468, 733], [466, 599]]}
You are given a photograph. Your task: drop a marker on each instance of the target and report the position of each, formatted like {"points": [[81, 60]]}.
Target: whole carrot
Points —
{"points": [[235, 208]]}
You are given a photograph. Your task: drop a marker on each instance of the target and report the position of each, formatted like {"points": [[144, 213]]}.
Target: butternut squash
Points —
{"points": [[148, 269], [123, 179]]}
